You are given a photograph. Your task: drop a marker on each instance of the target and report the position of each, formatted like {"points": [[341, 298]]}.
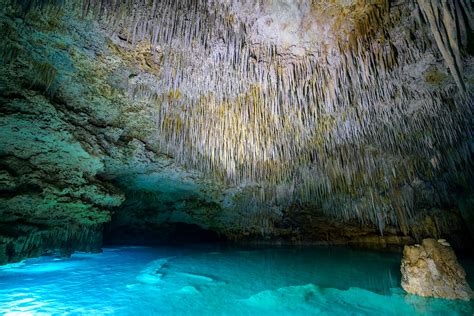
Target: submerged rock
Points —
{"points": [[432, 269]]}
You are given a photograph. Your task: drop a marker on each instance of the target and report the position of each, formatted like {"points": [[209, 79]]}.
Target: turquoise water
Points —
{"points": [[215, 281]]}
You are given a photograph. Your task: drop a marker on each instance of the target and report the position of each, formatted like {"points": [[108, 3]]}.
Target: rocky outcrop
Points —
{"points": [[432, 269]]}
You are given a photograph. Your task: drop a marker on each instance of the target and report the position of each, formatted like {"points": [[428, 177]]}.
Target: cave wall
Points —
{"points": [[69, 133], [91, 132]]}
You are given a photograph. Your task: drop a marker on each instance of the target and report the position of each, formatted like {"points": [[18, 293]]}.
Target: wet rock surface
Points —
{"points": [[431, 269]]}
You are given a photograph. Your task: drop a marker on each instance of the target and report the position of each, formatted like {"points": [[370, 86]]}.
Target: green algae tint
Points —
{"points": [[216, 281]]}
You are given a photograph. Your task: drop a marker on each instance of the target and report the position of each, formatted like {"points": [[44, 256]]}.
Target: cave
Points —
{"points": [[237, 157]]}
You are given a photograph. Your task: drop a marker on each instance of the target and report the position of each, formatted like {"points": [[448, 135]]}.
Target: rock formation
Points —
{"points": [[432, 269], [301, 121]]}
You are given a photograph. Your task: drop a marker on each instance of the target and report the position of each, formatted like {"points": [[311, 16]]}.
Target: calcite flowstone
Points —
{"points": [[432, 269]]}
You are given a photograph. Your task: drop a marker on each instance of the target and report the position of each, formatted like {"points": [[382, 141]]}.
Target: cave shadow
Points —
{"points": [[173, 234]]}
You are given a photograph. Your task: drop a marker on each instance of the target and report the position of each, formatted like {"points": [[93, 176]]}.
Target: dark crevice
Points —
{"points": [[150, 234], [27, 188]]}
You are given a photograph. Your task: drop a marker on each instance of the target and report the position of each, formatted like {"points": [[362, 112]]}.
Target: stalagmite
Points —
{"points": [[432, 269]]}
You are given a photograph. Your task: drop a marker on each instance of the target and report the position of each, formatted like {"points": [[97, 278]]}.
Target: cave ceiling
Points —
{"points": [[257, 106]]}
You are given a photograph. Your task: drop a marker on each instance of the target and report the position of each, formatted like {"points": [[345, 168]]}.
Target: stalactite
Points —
{"points": [[446, 21], [324, 128], [44, 75]]}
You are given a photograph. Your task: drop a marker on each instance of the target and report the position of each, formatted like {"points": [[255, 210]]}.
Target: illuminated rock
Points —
{"points": [[432, 269]]}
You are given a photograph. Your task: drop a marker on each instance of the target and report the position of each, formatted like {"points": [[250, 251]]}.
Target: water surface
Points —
{"points": [[209, 280]]}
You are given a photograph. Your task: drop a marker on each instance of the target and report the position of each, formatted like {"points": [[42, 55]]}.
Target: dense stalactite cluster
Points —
{"points": [[330, 119], [33, 241], [450, 22]]}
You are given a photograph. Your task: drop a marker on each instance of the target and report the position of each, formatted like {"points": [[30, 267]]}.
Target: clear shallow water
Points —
{"points": [[209, 281]]}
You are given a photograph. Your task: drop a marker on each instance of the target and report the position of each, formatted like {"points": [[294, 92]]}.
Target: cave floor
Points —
{"points": [[216, 280]]}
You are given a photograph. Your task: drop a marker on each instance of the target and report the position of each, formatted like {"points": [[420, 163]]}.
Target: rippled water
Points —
{"points": [[213, 281]]}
